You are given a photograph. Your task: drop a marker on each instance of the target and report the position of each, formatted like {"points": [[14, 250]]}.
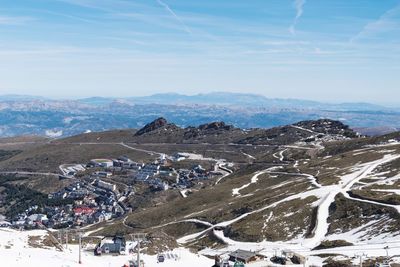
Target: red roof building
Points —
{"points": [[83, 210]]}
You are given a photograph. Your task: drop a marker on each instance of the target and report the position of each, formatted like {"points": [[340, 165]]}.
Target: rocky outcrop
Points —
{"points": [[215, 126], [152, 126], [327, 126], [208, 129]]}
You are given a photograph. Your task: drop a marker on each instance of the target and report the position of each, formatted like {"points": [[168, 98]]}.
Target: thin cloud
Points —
{"points": [[164, 5], [7, 20], [41, 51], [121, 9], [85, 4], [298, 5], [389, 21], [281, 43]]}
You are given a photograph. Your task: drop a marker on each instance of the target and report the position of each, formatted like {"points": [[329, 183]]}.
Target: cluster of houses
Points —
{"points": [[96, 198], [189, 177], [83, 191], [156, 174], [29, 219], [81, 203], [118, 164], [164, 178], [150, 173], [146, 171], [61, 217]]}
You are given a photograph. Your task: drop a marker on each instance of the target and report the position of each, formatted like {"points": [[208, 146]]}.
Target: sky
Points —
{"points": [[330, 50]]}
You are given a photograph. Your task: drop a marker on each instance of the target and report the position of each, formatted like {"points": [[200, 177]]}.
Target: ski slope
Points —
{"points": [[16, 252], [326, 195]]}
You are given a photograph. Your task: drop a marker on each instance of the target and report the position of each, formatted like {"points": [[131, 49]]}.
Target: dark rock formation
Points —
{"points": [[154, 125], [215, 126]]}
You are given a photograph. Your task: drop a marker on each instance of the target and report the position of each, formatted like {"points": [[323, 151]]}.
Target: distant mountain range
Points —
{"points": [[25, 115], [235, 99], [20, 98], [216, 98]]}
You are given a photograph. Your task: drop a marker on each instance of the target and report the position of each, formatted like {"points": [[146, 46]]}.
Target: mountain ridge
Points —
{"points": [[212, 98]]}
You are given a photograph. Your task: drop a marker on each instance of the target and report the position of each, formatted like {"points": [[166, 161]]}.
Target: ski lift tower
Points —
{"points": [[73, 234], [80, 245], [60, 236], [138, 237], [387, 252], [78, 233]]}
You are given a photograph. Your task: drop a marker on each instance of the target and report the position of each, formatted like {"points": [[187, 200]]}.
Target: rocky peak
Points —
{"points": [[154, 125], [215, 126]]}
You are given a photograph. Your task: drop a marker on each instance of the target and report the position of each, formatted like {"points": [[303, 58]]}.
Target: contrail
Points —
{"points": [[382, 23], [298, 4], [186, 28]]}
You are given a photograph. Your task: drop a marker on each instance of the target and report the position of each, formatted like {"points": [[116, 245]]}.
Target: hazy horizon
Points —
{"points": [[341, 51], [383, 104]]}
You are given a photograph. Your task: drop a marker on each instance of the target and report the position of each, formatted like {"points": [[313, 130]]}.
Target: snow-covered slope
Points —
{"points": [[16, 250]]}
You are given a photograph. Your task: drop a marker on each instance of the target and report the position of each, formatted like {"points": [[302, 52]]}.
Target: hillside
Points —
{"points": [[305, 185], [82, 148]]}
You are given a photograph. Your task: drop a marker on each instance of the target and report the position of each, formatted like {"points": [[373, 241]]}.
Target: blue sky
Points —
{"points": [[331, 50]]}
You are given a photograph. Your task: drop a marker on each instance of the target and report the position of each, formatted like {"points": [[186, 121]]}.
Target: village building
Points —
{"points": [[83, 211], [104, 163], [103, 174], [105, 185], [245, 256], [111, 245], [37, 218]]}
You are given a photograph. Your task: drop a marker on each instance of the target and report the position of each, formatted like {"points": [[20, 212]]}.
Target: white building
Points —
{"points": [[107, 186], [37, 217], [104, 163]]}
